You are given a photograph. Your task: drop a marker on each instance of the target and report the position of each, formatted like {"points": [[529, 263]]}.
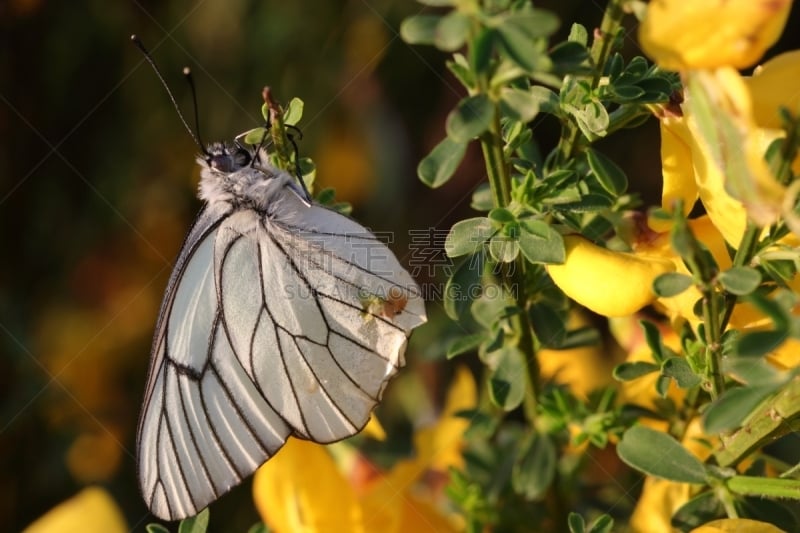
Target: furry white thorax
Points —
{"points": [[223, 180]]}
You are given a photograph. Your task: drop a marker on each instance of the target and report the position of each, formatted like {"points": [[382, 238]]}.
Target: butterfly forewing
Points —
{"points": [[268, 328]]}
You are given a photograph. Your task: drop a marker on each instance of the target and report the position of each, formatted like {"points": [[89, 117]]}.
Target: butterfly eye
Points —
{"points": [[241, 158], [221, 162]]}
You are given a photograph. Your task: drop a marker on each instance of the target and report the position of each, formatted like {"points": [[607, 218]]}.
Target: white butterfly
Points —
{"points": [[281, 318]]}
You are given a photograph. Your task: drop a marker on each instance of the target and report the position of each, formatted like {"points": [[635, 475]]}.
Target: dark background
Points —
{"points": [[97, 181]]}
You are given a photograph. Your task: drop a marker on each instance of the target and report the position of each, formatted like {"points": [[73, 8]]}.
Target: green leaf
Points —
{"points": [[463, 287], [588, 203], [503, 249], [535, 467], [493, 305], [482, 198], [671, 284], [626, 93], [593, 120], [519, 104], [547, 100], [465, 344], [653, 338], [507, 378], [678, 369], [610, 176], [759, 343], [258, 528], [576, 523], [603, 524], [751, 371], [520, 47], [468, 236], [634, 370], [438, 167], [535, 23], [255, 136], [701, 509], [548, 324], [540, 243], [155, 528], [471, 117], [293, 112], [461, 70], [578, 34], [481, 51], [452, 31], [501, 215], [438, 3], [570, 58], [769, 511], [195, 524], [658, 454], [740, 280], [420, 29], [732, 408], [662, 385], [581, 337]]}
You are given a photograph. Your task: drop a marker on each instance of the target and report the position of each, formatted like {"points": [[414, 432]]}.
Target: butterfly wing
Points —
{"points": [[320, 351], [204, 425], [269, 327]]}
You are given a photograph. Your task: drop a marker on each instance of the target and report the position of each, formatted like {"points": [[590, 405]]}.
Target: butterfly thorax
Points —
{"points": [[231, 176]]}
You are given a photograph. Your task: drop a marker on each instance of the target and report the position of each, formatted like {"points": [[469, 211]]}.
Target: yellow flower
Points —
{"points": [[719, 155], [681, 35], [774, 84], [737, 525], [607, 282], [303, 490], [91, 510]]}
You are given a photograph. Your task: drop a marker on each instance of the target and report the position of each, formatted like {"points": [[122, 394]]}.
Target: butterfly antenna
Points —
{"points": [[187, 73], [138, 43], [297, 159]]}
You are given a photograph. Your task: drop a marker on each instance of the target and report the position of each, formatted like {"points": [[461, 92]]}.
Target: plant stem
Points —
{"points": [[601, 50], [714, 341], [764, 487], [777, 418], [514, 275]]}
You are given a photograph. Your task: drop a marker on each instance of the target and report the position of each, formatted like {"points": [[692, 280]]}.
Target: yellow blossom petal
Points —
{"points": [[776, 83], [682, 35], [439, 447], [607, 282], [676, 169], [728, 148], [301, 490], [659, 500], [737, 525], [374, 429], [90, 511]]}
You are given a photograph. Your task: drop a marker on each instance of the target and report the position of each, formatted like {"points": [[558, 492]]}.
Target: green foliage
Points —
{"points": [[518, 452], [660, 455]]}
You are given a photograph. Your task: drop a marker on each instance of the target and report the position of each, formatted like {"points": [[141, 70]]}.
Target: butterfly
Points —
{"points": [[281, 318]]}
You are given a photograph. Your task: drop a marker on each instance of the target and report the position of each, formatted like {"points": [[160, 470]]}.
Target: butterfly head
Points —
{"points": [[239, 177], [221, 158]]}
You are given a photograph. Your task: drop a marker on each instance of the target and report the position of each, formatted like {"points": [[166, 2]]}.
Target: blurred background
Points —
{"points": [[97, 190]]}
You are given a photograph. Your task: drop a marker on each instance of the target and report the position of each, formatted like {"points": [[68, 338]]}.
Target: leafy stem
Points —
{"points": [[599, 53], [497, 170]]}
